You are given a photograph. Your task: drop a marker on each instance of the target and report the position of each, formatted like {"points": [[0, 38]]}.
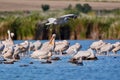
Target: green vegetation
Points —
{"points": [[78, 9], [45, 7], [90, 24]]}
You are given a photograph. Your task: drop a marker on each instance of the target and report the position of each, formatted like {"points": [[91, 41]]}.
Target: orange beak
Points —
{"points": [[52, 40]]}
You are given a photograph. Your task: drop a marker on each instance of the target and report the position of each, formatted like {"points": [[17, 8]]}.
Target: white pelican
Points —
{"points": [[45, 53], [8, 53], [8, 46], [9, 42], [114, 50], [24, 47], [61, 46], [97, 45], [74, 48], [16, 52], [51, 21], [106, 48], [116, 44], [89, 54], [36, 45], [11, 55], [83, 55]]}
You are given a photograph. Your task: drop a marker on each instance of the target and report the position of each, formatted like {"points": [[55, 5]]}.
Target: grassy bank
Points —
{"points": [[92, 25]]}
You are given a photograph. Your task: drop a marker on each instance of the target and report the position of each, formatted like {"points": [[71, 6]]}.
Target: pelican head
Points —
{"points": [[54, 35], [12, 34], [26, 42], [8, 31]]}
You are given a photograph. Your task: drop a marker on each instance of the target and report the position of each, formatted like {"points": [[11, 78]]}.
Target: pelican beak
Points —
{"points": [[52, 39]]}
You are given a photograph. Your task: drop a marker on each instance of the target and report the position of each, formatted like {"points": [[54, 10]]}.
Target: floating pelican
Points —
{"points": [[97, 45], [116, 44], [116, 47], [24, 47], [89, 54], [17, 51], [83, 55], [45, 53], [74, 48], [36, 45], [61, 46], [11, 55], [106, 48], [8, 53], [9, 42], [7, 45]]}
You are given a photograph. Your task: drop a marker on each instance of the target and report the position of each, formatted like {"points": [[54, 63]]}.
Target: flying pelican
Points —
{"points": [[45, 53], [51, 21]]}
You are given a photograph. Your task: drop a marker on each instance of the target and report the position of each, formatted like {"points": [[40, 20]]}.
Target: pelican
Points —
{"points": [[45, 53], [9, 42], [36, 45], [24, 47], [61, 46], [51, 21], [97, 45], [88, 54], [116, 44], [16, 53], [72, 49], [106, 48], [11, 55], [114, 50], [8, 53], [83, 55]]}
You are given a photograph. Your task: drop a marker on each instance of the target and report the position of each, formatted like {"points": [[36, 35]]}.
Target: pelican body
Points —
{"points": [[46, 51]]}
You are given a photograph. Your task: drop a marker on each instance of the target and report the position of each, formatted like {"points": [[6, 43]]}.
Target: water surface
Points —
{"points": [[106, 68]]}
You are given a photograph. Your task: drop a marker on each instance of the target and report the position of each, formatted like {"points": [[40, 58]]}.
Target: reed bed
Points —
{"points": [[92, 25]]}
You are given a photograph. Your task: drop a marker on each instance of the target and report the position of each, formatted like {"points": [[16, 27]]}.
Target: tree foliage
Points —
{"points": [[45, 7]]}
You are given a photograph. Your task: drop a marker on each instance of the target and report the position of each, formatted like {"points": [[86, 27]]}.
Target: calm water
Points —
{"points": [[106, 68]]}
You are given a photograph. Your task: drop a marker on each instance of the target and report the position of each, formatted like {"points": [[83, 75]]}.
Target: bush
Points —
{"points": [[86, 8], [79, 7], [45, 7]]}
